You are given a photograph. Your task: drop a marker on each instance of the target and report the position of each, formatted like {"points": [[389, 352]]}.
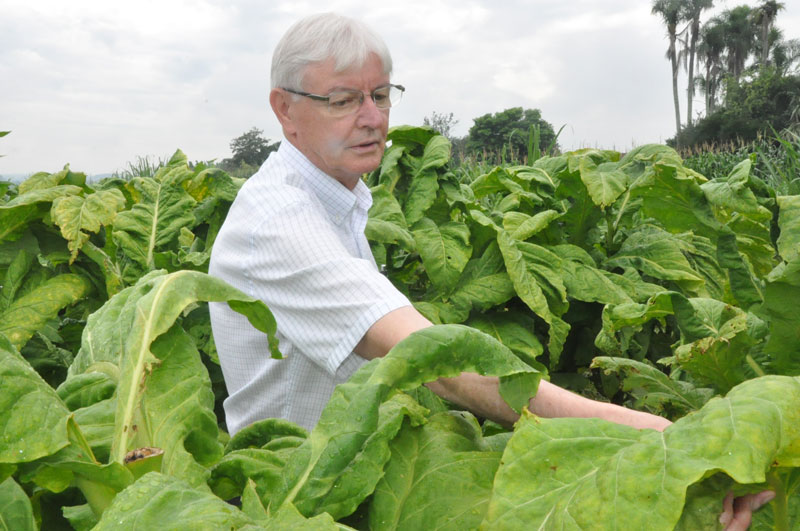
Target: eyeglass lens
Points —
{"points": [[349, 100]]}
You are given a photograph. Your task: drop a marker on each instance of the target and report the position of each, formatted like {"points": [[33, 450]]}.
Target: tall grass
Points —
{"points": [[777, 160], [141, 167]]}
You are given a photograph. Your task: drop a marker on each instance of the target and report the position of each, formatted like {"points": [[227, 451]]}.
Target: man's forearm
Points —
{"points": [[480, 394], [553, 401]]}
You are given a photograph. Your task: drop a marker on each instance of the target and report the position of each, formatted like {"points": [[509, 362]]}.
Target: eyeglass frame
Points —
{"points": [[326, 99]]}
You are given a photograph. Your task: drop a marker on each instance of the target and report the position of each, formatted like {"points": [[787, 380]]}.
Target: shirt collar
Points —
{"points": [[337, 199]]}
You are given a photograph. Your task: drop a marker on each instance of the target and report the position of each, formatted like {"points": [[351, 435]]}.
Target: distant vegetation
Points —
{"points": [[742, 64]]}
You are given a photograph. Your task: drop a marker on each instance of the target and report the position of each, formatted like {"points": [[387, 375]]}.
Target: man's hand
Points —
{"points": [[738, 512]]}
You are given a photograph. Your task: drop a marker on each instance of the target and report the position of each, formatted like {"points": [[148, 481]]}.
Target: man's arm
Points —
{"points": [[481, 395]]}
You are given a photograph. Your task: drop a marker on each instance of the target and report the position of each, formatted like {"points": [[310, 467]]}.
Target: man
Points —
{"points": [[294, 238]]}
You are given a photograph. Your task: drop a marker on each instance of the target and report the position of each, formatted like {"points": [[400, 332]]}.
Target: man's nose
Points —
{"points": [[369, 115]]}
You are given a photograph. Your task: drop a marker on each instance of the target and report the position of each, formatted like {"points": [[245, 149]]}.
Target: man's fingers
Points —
{"points": [[761, 499], [738, 512], [727, 510]]}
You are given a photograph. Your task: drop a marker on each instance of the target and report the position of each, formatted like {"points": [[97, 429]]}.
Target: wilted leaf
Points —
{"points": [[76, 215], [29, 313]]}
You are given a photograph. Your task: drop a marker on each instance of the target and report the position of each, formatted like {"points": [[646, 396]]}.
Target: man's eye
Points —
{"points": [[343, 101], [380, 97]]}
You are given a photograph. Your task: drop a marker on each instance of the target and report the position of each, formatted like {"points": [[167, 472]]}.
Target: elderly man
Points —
{"points": [[294, 238]]}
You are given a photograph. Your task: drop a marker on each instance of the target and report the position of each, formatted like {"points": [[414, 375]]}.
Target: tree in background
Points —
{"points": [[509, 132], [691, 11], [710, 50], [785, 53], [250, 150], [768, 101], [749, 82], [441, 123], [671, 12], [740, 39], [764, 16]]}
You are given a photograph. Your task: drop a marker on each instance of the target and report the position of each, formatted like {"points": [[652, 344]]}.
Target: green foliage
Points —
{"points": [[250, 150], [506, 134], [751, 109], [634, 278], [441, 123], [141, 167], [775, 160], [601, 473]]}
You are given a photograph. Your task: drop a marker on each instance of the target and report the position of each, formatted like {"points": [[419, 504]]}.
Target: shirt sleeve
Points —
{"points": [[324, 299]]}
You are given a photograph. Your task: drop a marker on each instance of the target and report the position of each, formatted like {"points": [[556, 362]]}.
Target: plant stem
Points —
{"points": [[755, 366], [780, 505], [610, 229]]}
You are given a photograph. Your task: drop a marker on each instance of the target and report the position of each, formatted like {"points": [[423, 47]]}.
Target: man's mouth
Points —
{"points": [[366, 146]]}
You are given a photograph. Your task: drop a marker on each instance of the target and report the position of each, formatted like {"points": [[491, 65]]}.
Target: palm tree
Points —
{"points": [[740, 38], [764, 16], [710, 50], [691, 11], [785, 54], [670, 13]]}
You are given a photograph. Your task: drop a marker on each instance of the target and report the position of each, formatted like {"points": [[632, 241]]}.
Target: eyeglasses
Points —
{"points": [[344, 102]]}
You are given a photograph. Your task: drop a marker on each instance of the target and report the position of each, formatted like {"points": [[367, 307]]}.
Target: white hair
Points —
{"points": [[318, 38]]}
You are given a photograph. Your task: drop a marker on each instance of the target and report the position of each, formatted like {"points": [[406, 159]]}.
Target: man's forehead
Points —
{"points": [[324, 76]]}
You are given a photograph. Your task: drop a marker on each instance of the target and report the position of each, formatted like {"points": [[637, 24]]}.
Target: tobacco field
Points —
{"points": [[629, 278]]}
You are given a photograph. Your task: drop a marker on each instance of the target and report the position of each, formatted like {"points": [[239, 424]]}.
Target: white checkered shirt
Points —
{"points": [[294, 238]]}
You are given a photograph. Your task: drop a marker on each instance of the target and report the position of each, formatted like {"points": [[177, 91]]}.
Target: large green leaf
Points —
{"points": [[733, 193], [657, 254], [789, 223], [21, 210], [33, 419], [652, 388], [720, 358], [76, 466], [424, 179], [156, 500], [515, 330], [522, 226], [162, 209], [605, 181], [440, 476], [16, 272], [342, 460], [44, 180], [212, 183], [163, 395], [16, 512], [484, 282], [444, 249], [76, 215], [673, 196], [745, 287], [497, 180], [780, 306], [29, 313], [599, 475], [584, 281], [581, 215], [386, 223], [534, 277]]}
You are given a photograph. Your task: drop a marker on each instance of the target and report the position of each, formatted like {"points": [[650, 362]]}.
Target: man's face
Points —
{"points": [[348, 146]]}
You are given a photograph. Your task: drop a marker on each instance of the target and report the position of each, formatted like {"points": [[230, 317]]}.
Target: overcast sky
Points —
{"points": [[97, 84]]}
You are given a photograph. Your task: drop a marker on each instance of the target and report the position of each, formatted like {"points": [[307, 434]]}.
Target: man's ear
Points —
{"points": [[280, 101]]}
